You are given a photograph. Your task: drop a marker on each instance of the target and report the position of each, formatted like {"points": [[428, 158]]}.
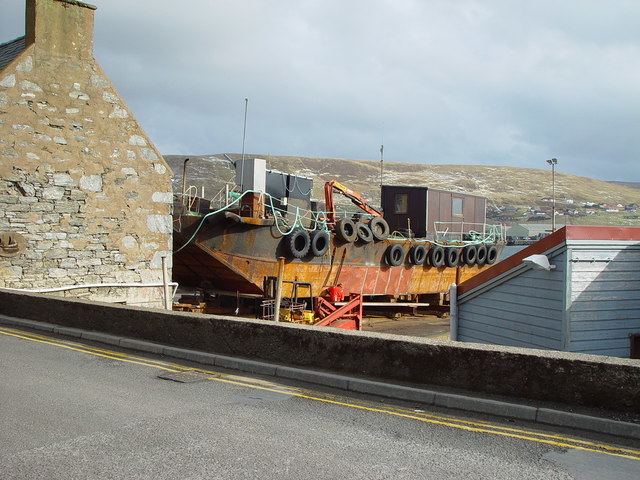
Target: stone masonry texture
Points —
{"points": [[82, 187]]}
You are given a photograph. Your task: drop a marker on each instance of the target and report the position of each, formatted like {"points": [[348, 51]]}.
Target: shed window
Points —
{"points": [[401, 203], [456, 206]]}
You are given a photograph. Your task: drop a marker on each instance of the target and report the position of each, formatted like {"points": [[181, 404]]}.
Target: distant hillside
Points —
{"points": [[627, 184], [502, 185]]}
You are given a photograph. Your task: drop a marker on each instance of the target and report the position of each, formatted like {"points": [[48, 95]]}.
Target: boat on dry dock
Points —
{"points": [[234, 245]]}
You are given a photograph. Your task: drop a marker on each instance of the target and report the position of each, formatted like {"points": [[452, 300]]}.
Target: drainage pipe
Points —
{"points": [[91, 285]]}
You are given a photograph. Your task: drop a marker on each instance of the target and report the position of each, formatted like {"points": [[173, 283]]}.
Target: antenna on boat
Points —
{"points": [[381, 160], [244, 135], [184, 180]]}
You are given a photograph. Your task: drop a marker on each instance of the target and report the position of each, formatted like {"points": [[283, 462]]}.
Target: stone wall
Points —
{"points": [[84, 194], [535, 375]]}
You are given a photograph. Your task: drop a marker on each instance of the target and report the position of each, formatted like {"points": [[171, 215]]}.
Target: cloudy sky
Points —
{"points": [[472, 82]]}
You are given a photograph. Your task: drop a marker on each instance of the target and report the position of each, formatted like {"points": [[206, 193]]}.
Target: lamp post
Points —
{"points": [[244, 134], [553, 162]]}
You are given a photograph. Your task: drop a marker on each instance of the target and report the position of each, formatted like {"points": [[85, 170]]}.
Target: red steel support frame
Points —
{"points": [[347, 317]]}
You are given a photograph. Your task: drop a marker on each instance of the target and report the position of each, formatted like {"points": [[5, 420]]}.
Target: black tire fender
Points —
{"points": [[320, 240], [452, 257], [363, 233], [436, 256], [298, 243], [492, 255], [379, 228], [395, 255], [345, 230], [470, 255], [418, 254], [482, 255]]}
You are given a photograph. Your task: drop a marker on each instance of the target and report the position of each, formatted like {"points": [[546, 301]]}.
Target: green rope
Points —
{"points": [[319, 221], [494, 233]]}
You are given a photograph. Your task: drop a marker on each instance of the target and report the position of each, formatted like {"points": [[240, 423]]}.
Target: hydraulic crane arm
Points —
{"points": [[357, 199]]}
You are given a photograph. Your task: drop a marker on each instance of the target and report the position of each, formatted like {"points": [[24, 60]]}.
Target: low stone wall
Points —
{"points": [[568, 378]]}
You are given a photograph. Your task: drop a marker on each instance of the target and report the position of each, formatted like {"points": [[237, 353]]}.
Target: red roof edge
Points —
{"points": [[541, 246], [583, 232]]}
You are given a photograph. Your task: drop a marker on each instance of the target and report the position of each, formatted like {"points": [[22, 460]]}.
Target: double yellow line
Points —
{"points": [[482, 427]]}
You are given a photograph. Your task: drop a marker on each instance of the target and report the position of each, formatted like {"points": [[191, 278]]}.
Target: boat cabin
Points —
{"points": [[425, 212]]}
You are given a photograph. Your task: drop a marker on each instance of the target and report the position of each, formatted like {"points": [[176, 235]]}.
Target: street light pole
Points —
{"points": [[244, 135], [553, 162]]}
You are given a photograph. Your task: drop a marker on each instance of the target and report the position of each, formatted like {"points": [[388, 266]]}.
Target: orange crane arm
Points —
{"points": [[355, 197]]}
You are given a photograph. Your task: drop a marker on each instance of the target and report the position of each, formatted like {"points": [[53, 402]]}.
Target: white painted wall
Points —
{"points": [[604, 297]]}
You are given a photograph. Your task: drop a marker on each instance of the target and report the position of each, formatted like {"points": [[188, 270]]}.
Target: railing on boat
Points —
{"points": [[459, 231]]}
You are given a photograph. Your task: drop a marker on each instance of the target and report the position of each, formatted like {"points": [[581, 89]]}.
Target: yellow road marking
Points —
{"points": [[555, 440], [86, 350]]}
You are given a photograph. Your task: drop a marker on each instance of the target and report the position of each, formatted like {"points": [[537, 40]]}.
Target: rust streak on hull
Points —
{"points": [[237, 257]]}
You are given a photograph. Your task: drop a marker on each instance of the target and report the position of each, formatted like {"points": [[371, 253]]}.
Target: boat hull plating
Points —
{"points": [[233, 256]]}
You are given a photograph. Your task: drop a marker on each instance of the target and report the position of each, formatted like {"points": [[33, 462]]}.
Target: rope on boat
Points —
{"points": [[494, 233], [319, 222], [318, 219]]}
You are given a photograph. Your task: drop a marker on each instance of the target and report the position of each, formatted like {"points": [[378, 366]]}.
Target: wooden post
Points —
{"points": [[453, 312], [276, 308], [168, 301]]}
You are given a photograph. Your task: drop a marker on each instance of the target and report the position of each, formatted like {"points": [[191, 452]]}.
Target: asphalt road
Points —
{"points": [[68, 411]]}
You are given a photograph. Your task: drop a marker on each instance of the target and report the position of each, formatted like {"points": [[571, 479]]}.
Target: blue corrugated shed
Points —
{"points": [[589, 303]]}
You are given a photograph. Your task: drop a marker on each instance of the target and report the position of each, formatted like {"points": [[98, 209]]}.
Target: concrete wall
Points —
{"points": [[82, 188], [605, 297], [536, 375], [526, 309]]}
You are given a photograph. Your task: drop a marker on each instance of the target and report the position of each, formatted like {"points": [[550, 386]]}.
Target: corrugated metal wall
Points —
{"points": [[526, 310], [439, 209], [605, 298]]}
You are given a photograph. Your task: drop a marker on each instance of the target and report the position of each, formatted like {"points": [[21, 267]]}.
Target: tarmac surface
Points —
{"points": [[71, 410]]}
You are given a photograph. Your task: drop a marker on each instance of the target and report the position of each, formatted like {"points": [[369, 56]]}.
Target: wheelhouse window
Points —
{"points": [[456, 206], [401, 203]]}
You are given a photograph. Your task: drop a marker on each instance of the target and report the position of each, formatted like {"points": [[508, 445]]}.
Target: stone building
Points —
{"points": [[85, 196]]}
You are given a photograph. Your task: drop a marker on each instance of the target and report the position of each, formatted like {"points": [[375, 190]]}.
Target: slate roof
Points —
{"points": [[10, 50]]}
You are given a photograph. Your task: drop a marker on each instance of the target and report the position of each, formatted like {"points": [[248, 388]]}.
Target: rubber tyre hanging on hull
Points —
{"points": [[492, 255], [469, 255], [395, 255], [418, 254], [482, 255], [298, 243], [319, 242], [363, 233], [379, 228], [345, 230], [436, 256], [452, 257]]}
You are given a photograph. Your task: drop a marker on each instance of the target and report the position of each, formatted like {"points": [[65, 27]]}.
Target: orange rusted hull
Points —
{"points": [[234, 257]]}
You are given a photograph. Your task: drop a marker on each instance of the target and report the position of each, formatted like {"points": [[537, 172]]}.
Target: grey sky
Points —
{"points": [[493, 82]]}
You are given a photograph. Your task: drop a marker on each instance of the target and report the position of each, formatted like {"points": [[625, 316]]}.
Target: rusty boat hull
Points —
{"points": [[236, 256]]}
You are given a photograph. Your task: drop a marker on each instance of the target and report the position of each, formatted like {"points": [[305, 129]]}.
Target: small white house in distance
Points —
{"points": [[576, 290], [528, 230]]}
